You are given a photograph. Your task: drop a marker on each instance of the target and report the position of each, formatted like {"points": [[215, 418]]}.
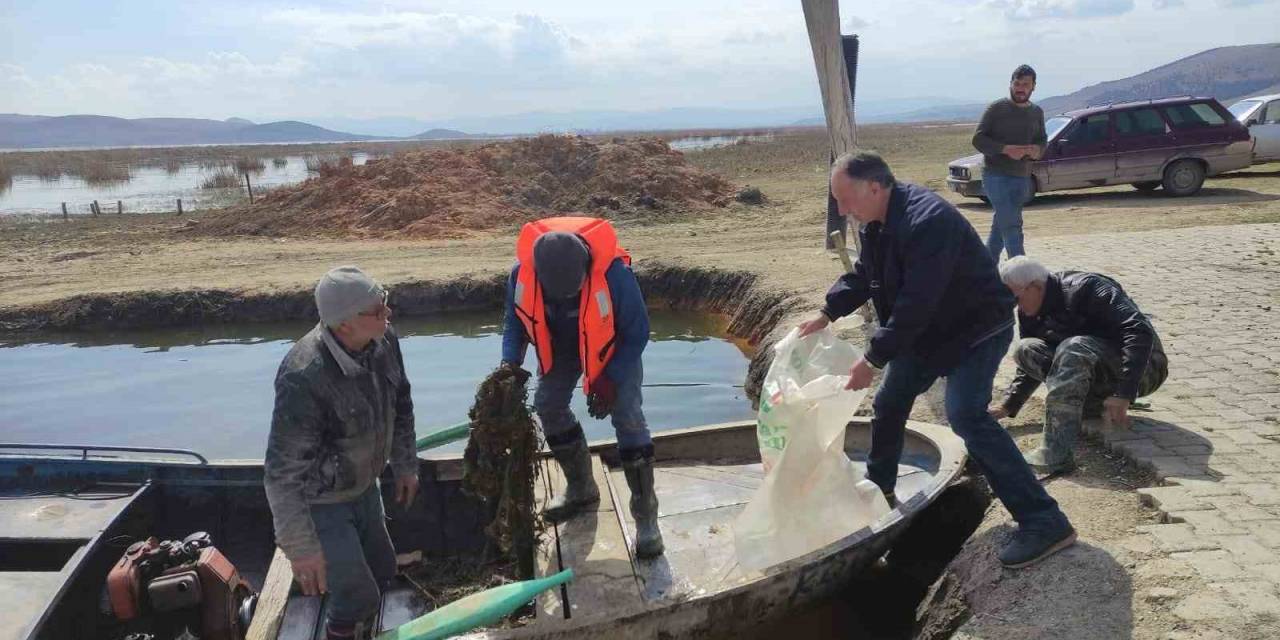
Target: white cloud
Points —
{"points": [[854, 23], [1048, 9], [1167, 4]]}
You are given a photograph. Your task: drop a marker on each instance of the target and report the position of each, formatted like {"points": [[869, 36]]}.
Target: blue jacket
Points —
{"points": [[934, 285], [631, 324]]}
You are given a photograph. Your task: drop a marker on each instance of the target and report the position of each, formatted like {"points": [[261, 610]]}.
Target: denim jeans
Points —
{"points": [[1006, 193], [555, 390], [968, 395], [359, 559]]}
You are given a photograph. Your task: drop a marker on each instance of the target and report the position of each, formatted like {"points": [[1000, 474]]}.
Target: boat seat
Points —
{"points": [[45, 540]]}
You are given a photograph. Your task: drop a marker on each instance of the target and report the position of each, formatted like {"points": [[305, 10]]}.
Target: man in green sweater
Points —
{"points": [[1010, 136]]}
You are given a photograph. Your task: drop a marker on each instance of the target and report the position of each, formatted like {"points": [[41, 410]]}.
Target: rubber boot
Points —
{"points": [[644, 506], [580, 489]]}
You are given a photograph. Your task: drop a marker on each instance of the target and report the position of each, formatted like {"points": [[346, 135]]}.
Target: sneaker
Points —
{"points": [[1045, 463], [1033, 544]]}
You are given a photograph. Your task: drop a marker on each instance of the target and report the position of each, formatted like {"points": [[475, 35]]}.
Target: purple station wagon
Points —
{"points": [[1172, 143]]}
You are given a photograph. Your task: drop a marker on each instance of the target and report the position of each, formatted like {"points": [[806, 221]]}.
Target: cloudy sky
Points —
{"points": [[439, 59]]}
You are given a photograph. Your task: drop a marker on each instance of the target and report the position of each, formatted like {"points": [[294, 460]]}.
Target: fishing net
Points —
{"points": [[500, 463]]}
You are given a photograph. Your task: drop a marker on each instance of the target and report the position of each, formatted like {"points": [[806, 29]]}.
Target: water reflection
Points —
{"points": [[696, 143], [147, 188]]}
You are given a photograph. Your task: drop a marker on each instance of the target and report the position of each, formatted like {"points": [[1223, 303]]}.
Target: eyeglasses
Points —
{"points": [[383, 308]]}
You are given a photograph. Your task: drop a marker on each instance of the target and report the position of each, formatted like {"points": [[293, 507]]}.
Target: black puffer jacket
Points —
{"points": [[1079, 303]]}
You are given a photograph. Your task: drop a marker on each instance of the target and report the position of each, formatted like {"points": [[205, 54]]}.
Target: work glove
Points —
{"points": [[602, 397], [511, 369]]}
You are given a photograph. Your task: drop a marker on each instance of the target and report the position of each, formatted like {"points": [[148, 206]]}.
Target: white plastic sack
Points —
{"points": [[812, 494]]}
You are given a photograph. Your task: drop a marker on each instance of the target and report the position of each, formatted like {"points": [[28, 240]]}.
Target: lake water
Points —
{"points": [[695, 143], [149, 189], [211, 389]]}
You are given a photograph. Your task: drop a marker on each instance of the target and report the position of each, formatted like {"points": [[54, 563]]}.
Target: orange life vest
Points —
{"points": [[595, 310]]}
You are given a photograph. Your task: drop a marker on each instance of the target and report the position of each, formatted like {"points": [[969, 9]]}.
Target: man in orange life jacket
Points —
{"points": [[572, 295]]}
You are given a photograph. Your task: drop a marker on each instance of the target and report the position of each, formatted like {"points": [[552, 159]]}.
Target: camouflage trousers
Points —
{"points": [[1079, 374]]}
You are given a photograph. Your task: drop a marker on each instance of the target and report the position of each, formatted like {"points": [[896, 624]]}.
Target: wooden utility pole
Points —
{"points": [[834, 81], [822, 17]]}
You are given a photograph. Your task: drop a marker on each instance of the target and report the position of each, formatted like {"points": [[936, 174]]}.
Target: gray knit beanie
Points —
{"points": [[344, 292], [560, 260]]}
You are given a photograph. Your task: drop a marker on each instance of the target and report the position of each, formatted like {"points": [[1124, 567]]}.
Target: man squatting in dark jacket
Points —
{"points": [[943, 311], [1087, 341]]}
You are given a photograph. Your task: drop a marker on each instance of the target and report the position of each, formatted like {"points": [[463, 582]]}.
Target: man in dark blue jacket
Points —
{"points": [[943, 312], [561, 263]]}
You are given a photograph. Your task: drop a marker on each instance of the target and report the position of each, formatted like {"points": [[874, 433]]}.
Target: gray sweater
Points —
{"points": [[1006, 123]]}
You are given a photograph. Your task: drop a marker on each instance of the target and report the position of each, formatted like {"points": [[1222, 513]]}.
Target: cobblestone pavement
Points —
{"points": [[1212, 434]]}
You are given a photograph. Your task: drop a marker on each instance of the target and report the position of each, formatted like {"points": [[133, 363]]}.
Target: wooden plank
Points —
{"points": [[696, 507], [593, 545], [549, 605], [712, 473], [272, 599]]}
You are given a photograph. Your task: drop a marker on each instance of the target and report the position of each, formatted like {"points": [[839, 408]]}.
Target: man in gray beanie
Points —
{"points": [[342, 411], [573, 297]]}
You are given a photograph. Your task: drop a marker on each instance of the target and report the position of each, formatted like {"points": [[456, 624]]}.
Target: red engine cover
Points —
{"points": [[124, 585]]}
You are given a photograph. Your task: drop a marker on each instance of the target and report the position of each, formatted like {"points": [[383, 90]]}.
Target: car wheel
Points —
{"points": [[1146, 187], [1183, 178]]}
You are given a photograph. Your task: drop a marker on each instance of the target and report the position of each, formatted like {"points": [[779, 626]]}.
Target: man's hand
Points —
{"points": [[1034, 151], [513, 369], [998, 412], [309, 572], [813, 326], [860, 375], [602, 397], [1015, 151], [1116, 410], [406, 489]]}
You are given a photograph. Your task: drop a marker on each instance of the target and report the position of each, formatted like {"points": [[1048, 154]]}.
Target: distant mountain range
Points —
{"points": [[1227, 73], [22, 131]]}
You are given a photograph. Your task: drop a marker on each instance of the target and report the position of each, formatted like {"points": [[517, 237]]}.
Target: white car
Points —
{"points": [[1261, 114]]}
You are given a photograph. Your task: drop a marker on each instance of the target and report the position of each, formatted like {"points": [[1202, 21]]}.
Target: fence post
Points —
{"points": [[96, 209], [248, 186], [179, 206], [119, 207], [64, 211]]}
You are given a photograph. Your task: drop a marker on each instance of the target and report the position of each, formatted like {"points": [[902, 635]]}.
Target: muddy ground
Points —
{"points": [[1105, 588]]}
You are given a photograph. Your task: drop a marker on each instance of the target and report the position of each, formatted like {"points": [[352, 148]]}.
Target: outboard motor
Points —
{"points": [[179, 589]]}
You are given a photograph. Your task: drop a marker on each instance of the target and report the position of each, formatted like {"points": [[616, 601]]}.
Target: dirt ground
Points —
{"points": [[1108, 586]]}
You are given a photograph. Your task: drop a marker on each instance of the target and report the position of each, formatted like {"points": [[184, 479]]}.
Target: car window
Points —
{"points": [[1196, 115], [1139, 122], [1095, 128], [1272, 116], [1055, 124], [1240, 108]]}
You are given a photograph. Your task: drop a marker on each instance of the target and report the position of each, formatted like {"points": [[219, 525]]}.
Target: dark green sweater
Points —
{"points": [[1006, 123]]}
